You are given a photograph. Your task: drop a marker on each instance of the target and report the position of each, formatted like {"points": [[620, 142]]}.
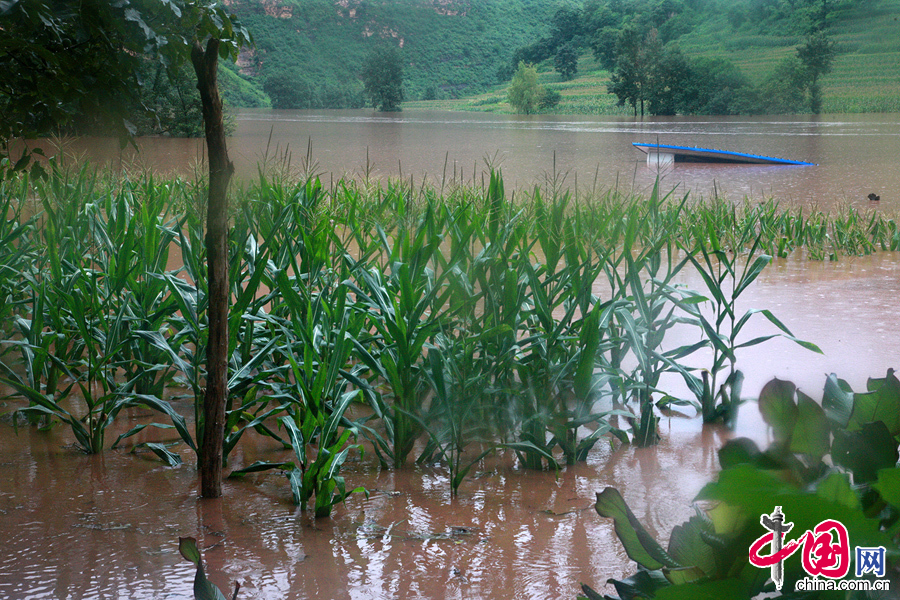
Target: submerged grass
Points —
{"points": [[462, 316]]}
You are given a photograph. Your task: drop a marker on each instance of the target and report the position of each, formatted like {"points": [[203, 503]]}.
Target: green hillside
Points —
{"points": [[456, 51], [865, 76], [314, 50]]}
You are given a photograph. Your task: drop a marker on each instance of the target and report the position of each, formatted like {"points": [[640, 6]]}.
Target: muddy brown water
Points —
{"points": [[107, 526], [75, 526], [855, 154]]}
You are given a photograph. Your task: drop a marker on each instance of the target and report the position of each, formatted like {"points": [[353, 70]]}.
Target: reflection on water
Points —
{"points": [[108, 526], [81, 526]]}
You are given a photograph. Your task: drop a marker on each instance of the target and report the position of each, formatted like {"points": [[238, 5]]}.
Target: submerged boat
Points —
{"points": [[665, 153]]}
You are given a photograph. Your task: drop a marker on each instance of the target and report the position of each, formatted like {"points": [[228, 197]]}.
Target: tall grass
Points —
{"points": [[461, 320]]}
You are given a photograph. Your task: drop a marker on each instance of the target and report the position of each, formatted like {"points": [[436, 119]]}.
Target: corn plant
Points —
{"points": [[728, 267], [401, 314], [457, 417], [317, 341]]}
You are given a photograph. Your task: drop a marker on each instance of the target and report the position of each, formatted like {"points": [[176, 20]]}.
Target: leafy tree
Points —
{"points": [[816, 56], [783, 90], [288, 88], [551, 98], [566, 29], [383, 78], [715, 86], [667, 89], [61, 58], [635, 59], [169, 102], [603, 45], [566, 62], [525, 94], [533, 53], [566, 25]]}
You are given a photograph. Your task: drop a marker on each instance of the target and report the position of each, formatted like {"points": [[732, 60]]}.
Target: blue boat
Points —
{"points": [[665, 153]]}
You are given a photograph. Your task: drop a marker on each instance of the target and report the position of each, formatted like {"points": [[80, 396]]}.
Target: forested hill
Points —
{"points": [[309, 53], [739, 56]]}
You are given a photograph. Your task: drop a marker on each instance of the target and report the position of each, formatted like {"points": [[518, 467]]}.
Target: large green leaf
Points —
{"points": [[836, 488], [865, 451], [837, 400], [687, 547], [880, 403], [811, 433], [888, 485], [776, 403], [639, 544]]}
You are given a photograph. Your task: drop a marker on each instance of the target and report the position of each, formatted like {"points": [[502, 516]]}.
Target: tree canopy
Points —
{"points": [[383, 78], [67, 56], [525, 94], [68, 60]]}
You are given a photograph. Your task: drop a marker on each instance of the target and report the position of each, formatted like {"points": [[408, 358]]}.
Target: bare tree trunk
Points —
{"points": [[206, 64]]}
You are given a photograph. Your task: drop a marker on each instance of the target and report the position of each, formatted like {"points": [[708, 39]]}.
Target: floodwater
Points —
{"points": [[75, 526], [855, 154], [107, 526]]}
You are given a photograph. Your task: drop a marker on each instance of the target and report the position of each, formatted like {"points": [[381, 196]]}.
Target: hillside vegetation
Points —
{"points": [[460, 54], [310, 53]]}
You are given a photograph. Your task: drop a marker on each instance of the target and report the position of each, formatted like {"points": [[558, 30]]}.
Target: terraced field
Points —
{"points": [[865, 75]]}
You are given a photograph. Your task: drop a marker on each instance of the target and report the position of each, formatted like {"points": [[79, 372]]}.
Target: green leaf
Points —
{"points": [[776, 403], [687, 547], [738, 451], [837, 400], [639, 544], [836, 488], [262, 465], [188, 548], [811, 433], [866, 451], [170, 458], [684, 575], [888, 485], [880, 403]]}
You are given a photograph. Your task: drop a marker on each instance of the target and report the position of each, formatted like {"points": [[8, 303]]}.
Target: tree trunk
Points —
{"points": [[206, 63]]}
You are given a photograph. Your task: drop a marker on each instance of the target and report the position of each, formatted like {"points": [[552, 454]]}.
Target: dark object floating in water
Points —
{"points": [[874, 197], [664, 153]]}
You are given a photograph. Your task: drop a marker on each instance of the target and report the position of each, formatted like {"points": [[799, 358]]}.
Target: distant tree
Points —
{"points": [[288, 88], [715, 86], [566, 25], [383, 78], [783, 90], [816, 57], [551, 98], [669, 74], [566, 61], [532, 54], [525, 94], [603, 44], [635, 60]]}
